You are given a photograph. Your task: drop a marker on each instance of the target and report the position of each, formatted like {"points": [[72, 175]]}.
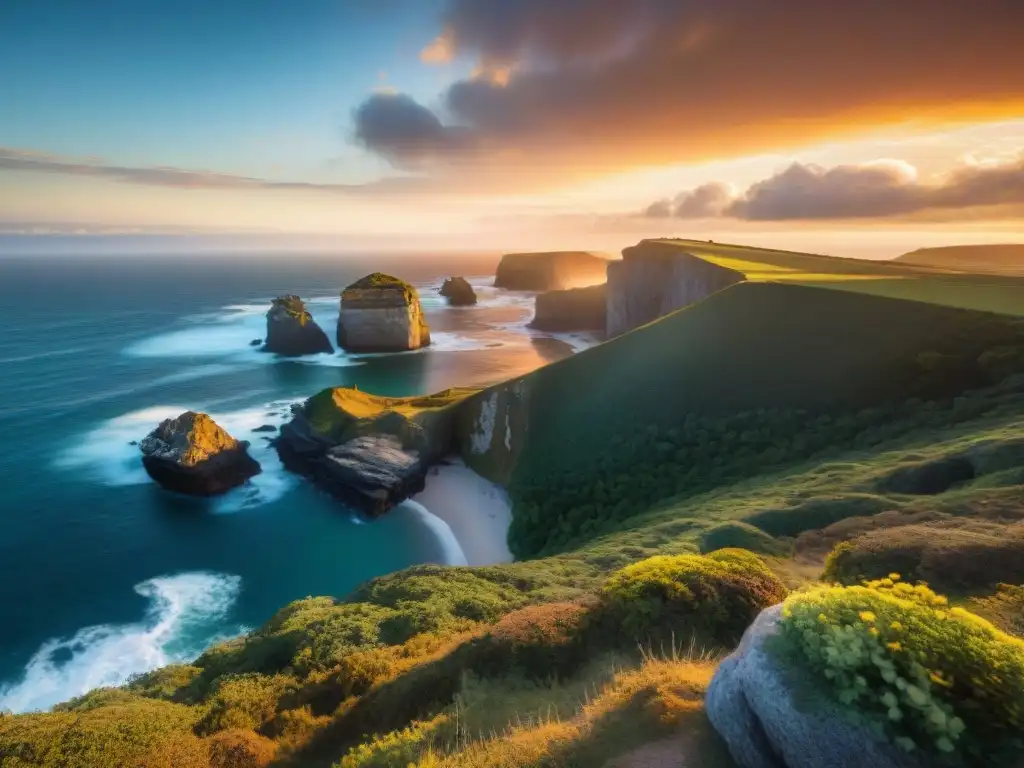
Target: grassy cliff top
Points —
{"points": [[380, 280], [930, 282], [1002, 258], [332, 410]]}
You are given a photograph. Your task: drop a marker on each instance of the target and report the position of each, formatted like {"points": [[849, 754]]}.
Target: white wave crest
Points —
{"points": [[185, 615]]}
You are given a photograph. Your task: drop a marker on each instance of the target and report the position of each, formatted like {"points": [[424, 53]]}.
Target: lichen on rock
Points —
{"points": [[292, 331], [381, 313], [192, 454]]}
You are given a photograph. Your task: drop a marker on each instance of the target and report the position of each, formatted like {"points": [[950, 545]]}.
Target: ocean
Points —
{"points": [[104, 575]]}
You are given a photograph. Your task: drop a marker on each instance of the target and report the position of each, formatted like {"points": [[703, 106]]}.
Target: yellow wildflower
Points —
{"points": [[894, 576], [894, 646], [896, 626], [874, 631], [867, 617]]}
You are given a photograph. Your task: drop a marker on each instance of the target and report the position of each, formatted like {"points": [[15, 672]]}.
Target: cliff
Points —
{"points": [[654, 279], [381, 313], [575, 309], [549, 271], [292, 331]]}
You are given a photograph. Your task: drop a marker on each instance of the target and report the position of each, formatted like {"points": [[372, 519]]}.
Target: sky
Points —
{"points": [[863, 129]]}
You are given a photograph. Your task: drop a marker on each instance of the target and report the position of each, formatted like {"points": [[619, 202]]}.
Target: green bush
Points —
{"points": [[742, 535], [818, 513], [714, 597], [244, 702], [931, 679], [950, 559]]}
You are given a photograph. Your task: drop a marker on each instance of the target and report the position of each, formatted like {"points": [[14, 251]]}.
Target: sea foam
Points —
{"points": [[185, 614]]}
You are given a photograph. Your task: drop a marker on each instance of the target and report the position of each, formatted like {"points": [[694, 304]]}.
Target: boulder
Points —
{"points": [[256, 343], [576, 309], [550, 271], [292, 331], [191, 454], [654, 279], [381, 313], [458, 291], [754, 704]]}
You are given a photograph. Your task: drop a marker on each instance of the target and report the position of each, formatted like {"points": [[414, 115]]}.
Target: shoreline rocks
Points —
{"points": [[192, 454], [381, 313], [549, 271], [458, 291], [575, 309], [292, 331]]}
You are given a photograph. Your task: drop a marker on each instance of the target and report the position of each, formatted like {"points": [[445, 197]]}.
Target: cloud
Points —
{"points": [[439, 51], [406, 133], [601, 85], [160, 176], [877, 190]]}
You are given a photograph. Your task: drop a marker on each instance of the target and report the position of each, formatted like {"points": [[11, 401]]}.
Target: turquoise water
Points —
{"points": [[102, 574]]}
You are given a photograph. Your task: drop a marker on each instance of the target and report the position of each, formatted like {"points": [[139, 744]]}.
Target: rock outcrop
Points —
{"points": [[575, 309], [550, 271], [654, 279], [292, 331], [458, 291], [191, 454], [753, 704], [381, 313], [369, 452]]}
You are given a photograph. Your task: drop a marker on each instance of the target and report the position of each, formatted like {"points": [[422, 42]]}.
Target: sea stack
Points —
{"points": [[292, 331], [549, 271], [381, 313], [192, 454], [458, 291], [576, 309]]}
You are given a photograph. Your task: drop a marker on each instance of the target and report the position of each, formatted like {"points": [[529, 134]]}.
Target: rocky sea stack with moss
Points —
{"points": [[381, 313], [192, 454], [292, 331], [458, 291], [549, 271]]}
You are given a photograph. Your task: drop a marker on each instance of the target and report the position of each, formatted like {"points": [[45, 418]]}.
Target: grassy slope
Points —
{"points": [[378, 677], [1002, 259]]}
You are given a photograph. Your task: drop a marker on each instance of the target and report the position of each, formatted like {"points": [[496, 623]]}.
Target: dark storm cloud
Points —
{"points": [[598, 84]]}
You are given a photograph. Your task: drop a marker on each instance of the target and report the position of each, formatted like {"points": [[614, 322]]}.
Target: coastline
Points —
{"points": [[477, 511]]}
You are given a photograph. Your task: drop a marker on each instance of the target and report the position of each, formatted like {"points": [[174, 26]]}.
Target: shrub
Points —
{"points": [[818, 513], [742, 535], [173, 683], [244, 701], [950, 559], [240, 748], [715, 597], [929, 678]]}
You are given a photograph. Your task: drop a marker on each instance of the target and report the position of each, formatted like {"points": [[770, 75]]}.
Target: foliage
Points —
{"points": [[243, 702], [172, 682], [126, 731], [714, 596], [928, 677], [240, 748], [736, 534], [397, 748], [952, 559]]}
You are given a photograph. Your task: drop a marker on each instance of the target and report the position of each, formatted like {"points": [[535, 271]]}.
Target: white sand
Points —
{"points": [[477, 511]]}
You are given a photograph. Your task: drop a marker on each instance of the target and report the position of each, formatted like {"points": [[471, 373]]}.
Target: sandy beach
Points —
{"points": [[477, 511]]}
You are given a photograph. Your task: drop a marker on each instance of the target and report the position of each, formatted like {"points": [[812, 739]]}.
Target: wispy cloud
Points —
{"points": [[12, 159]]}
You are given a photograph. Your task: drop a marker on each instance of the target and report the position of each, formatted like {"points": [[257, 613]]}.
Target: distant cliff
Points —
{"points": [[549, 271], [576, 309], [1005, 259], [653, 279]]}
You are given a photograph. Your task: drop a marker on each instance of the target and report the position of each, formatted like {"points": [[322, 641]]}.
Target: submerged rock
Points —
{"points": [[768, 717], [576, 309], [292, 331], [265, 428], [381, 313], [458, 291], [549, 271], [256, 343], [191, 454]]}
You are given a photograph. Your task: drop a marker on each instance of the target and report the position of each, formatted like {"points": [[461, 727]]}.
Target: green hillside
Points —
{"points": [[1005, 258]]}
